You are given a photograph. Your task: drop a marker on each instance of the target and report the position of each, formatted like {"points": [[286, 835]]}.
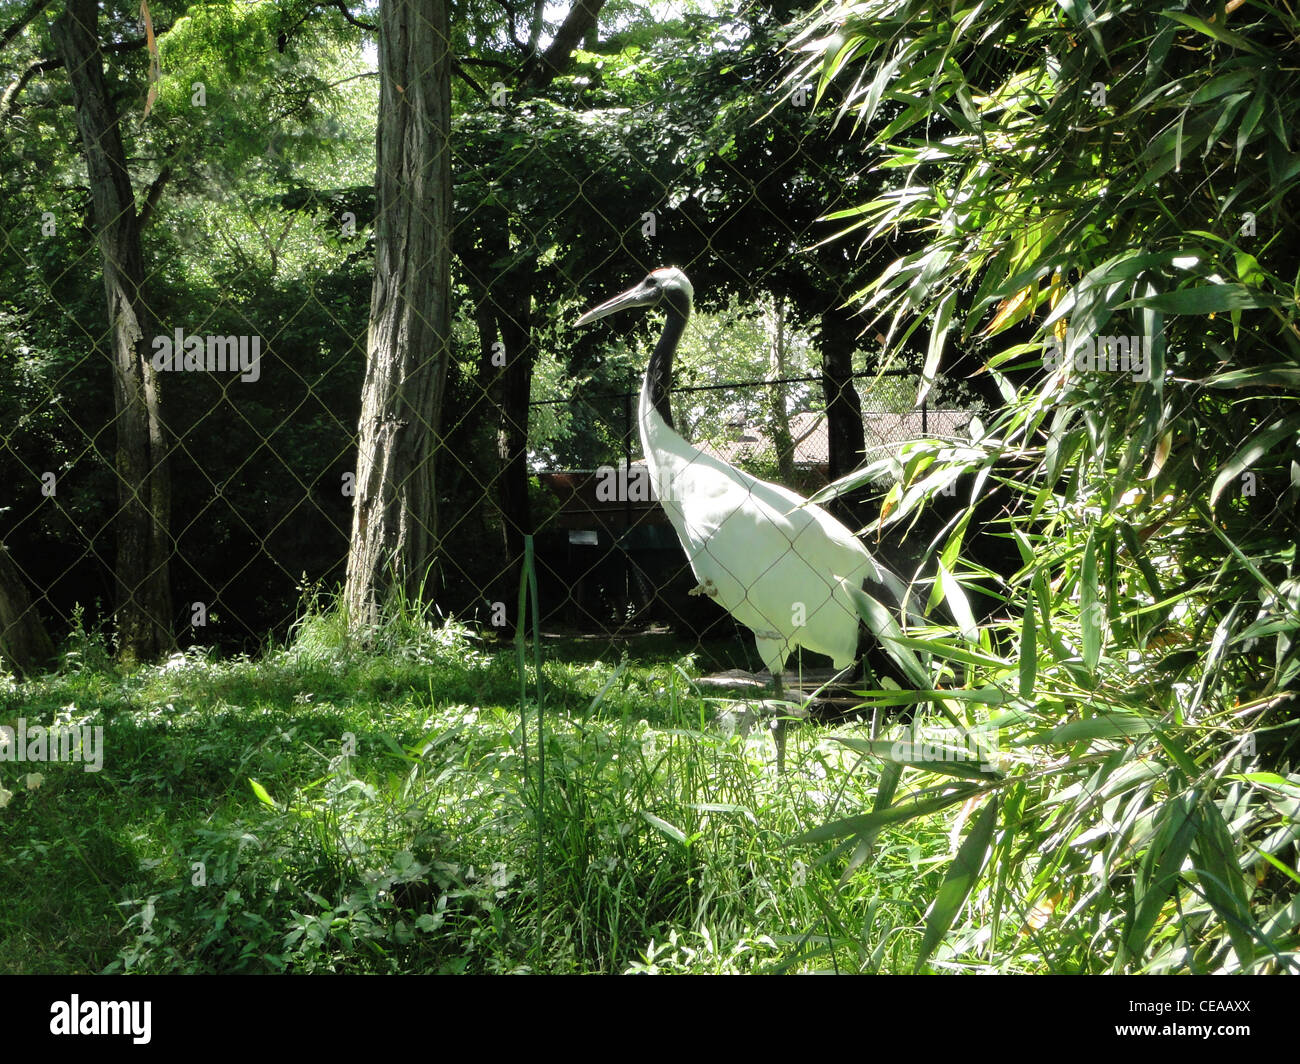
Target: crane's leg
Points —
{"points": [[778, 727], [772, 652]]}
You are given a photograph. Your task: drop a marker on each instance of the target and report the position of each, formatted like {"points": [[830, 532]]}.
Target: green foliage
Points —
{"points": [[327, 809], [1110, 169], [1133, 689], [245, 236]]}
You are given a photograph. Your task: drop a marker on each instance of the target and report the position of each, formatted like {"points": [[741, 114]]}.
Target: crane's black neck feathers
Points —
{"points": [[659, 373]]}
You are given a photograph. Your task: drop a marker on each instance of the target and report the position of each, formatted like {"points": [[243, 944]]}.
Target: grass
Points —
{"points": [[333, 808], [324, 809]]}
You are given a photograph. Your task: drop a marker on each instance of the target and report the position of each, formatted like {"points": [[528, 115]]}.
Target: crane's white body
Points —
{"points": [[780, 565], [784, 568]]}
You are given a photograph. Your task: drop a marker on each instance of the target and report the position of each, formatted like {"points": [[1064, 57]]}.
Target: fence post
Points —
{"points": [[627, 500]]}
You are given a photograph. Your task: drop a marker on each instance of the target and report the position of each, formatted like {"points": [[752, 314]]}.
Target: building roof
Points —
{"points": [[616, 499], [812, 443]]}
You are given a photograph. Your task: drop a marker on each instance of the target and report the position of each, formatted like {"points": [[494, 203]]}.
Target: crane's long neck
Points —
{"points": [[659, 373]]}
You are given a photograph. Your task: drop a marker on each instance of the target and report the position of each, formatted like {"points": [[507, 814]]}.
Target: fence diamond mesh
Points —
{"points": [[259, 350]]}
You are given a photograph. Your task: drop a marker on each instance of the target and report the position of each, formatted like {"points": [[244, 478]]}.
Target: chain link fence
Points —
{"points": [[610, 562], [260, 342]]}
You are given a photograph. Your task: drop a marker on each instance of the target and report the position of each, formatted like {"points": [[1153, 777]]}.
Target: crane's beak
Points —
{"points": [[633, 297]]}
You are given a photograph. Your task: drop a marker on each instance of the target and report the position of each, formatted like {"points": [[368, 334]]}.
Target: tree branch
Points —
{"points": [[10, 99], [540, 71], [36, 7], [154, 194], [535, 30], [464, 75], [347, 14], [495, 64], [512, 25], [40, 66]]}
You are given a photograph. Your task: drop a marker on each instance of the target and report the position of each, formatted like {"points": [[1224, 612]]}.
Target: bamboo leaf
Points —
{"points": [[961, 878], [1253, 451], [1161, 867], [1249, 122], [885, 788], [865, 823], [1110, 726], [1220, 878], [1028, 653], [664, 828], [1282, 375], [955, 596], [1223, 36], [881, 622], [1091, 611], [941, 648], [932, 757], [1205, 299], [942, 319]]}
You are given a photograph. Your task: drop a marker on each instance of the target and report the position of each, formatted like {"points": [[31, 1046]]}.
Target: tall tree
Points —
{"points": [[143, 482], [505, 263], [846, 438], [779, 414], [23, 640], [394, 524]]}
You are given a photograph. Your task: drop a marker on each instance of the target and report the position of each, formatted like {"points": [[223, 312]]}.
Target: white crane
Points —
{"points": [[780, 565]]}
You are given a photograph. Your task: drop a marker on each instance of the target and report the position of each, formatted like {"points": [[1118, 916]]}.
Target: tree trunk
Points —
{"points": [[24, 643], [394, 521], [503, 316], [143, 481], [774, 319], [541, 68], [845, 435]]}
